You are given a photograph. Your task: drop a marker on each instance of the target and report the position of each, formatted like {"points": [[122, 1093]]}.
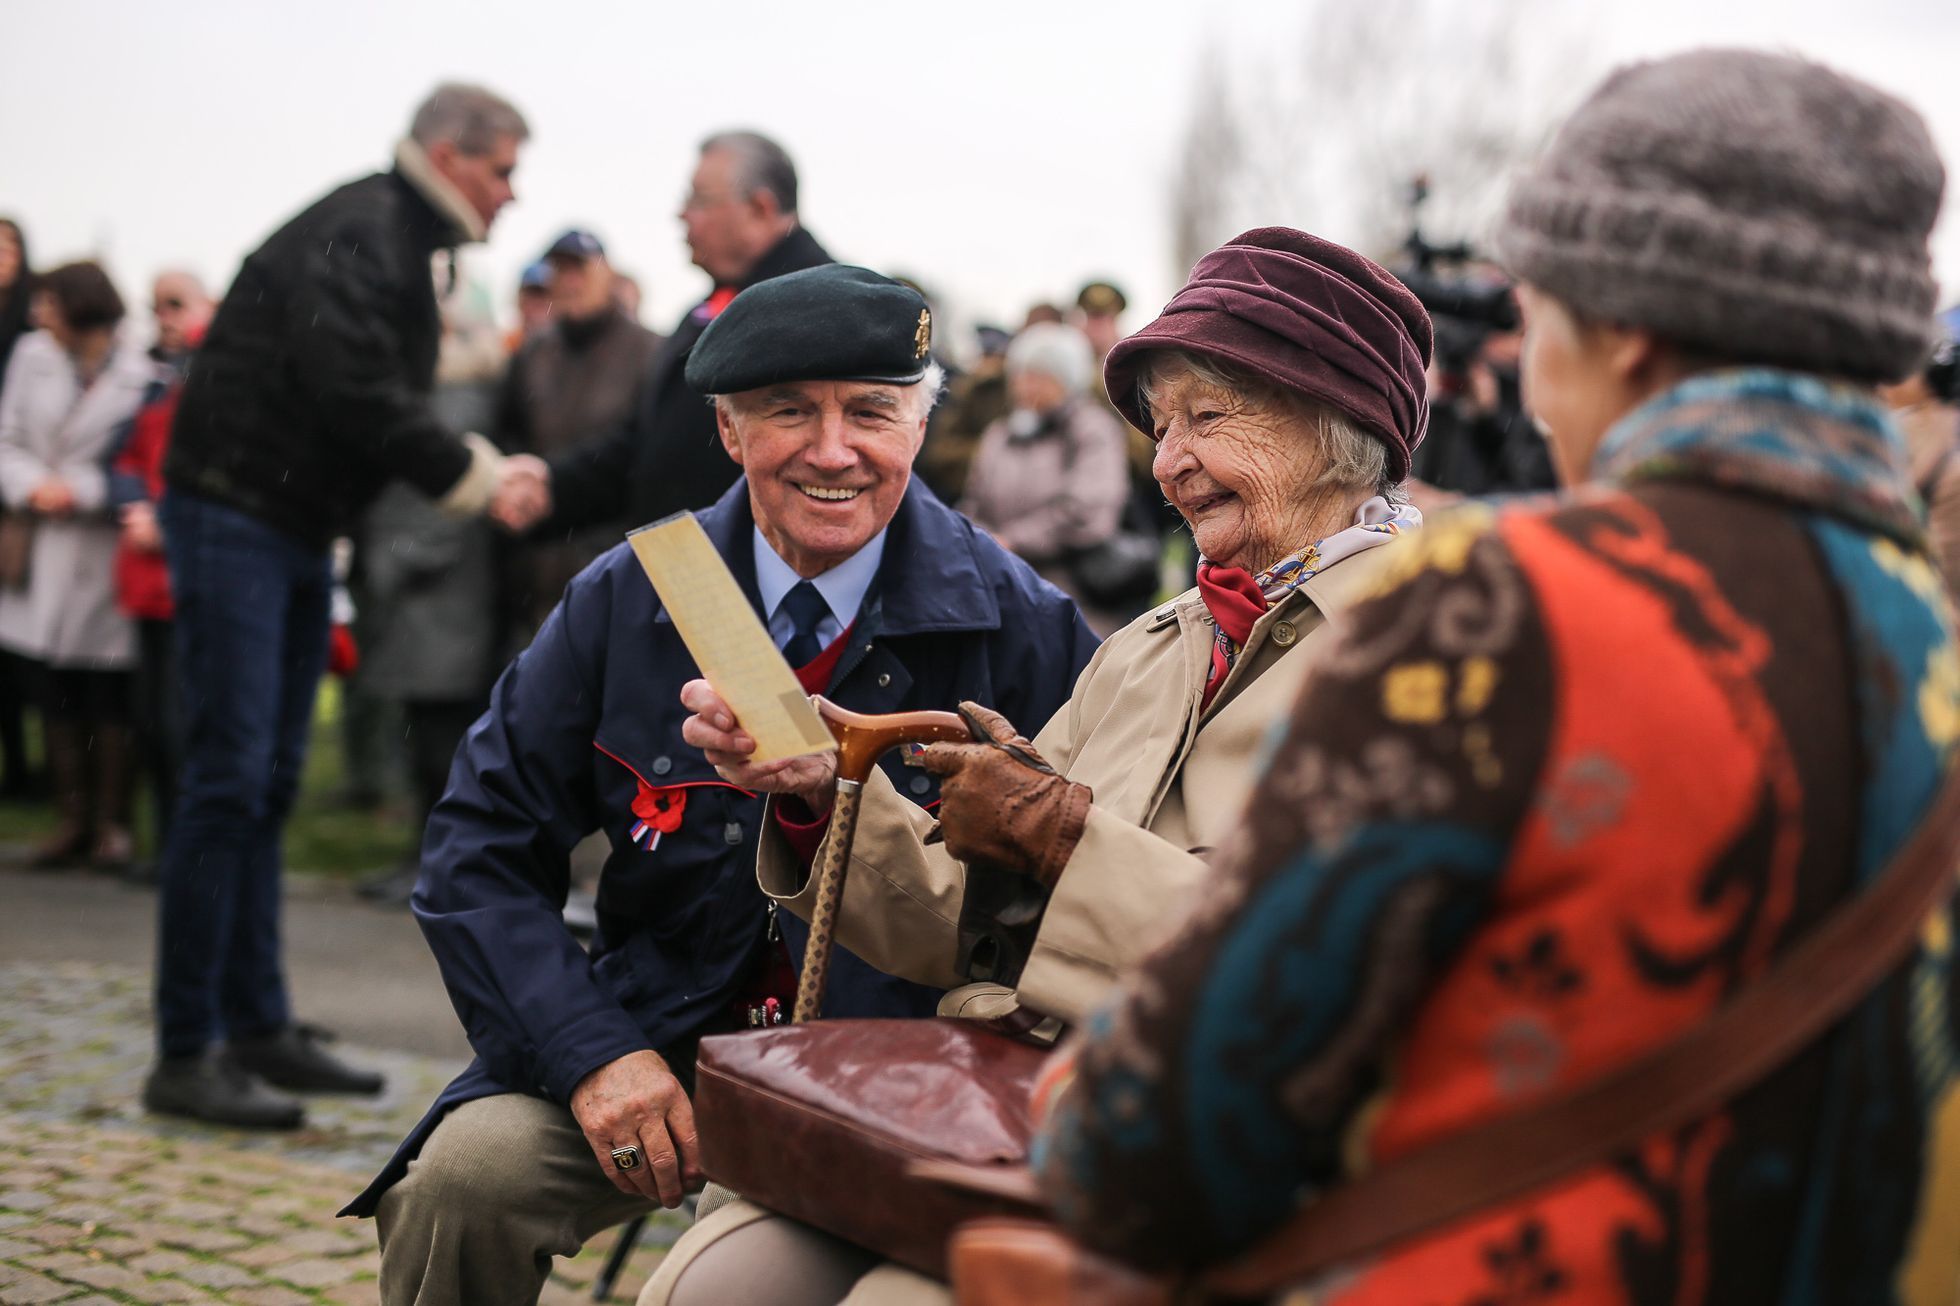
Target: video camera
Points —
{"points": [[1480, 440], [1465, 309]]}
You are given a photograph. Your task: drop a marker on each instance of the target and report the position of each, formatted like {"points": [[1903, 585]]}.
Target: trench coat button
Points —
{"points": [[1284, 634], [662, 765], [731, 834], [884, 679], [920, 784]]}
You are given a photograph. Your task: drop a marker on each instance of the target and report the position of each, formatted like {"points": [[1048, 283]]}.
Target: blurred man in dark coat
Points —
{"points": [[742, 228]]}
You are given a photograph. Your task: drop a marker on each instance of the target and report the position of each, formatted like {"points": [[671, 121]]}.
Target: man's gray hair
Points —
{"points": [[472, 117], [185, 277], [760, 164], [1349, 456], [927, 390]]}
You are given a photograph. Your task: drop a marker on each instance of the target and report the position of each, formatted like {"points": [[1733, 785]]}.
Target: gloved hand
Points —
{"points": [[1001, 802]]}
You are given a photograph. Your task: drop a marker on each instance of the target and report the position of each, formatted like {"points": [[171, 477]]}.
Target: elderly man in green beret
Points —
{"points": [[575, 1114]]}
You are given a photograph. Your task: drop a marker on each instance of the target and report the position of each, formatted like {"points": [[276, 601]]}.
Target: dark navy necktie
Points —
{"points": [[806, 608]]}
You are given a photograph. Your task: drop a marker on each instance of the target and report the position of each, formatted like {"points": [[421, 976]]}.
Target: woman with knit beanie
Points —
{"points": [[1579, 772]]}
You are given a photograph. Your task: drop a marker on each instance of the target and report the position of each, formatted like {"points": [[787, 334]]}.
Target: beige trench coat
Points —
{"points": [[1169, 787]]}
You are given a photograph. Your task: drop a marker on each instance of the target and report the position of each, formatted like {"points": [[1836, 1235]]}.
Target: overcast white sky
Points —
{"points": [[1003, 152]]}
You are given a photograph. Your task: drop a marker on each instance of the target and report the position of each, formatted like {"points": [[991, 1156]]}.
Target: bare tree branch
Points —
{"points": [[1326, 129]]}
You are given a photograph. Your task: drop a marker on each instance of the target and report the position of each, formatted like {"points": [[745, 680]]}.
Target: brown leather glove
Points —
{"points": [[1000, 801]]}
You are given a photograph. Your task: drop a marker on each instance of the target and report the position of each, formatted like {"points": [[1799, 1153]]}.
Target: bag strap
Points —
{"points": [[1808, 989]]}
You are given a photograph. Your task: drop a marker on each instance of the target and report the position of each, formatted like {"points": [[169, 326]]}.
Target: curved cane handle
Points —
{"points": [[862, 740]]}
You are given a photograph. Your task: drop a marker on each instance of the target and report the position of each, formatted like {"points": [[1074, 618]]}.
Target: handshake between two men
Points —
{"points": [[522, 498]]}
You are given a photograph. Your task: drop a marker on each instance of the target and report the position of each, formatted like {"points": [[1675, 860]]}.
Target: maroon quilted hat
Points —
{"points": [[1309, 316]]}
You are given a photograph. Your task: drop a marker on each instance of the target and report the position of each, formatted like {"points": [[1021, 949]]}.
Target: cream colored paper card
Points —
{"points": [[728, 641]]}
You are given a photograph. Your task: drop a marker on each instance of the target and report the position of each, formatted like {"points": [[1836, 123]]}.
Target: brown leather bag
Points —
{"points": [[823, 1122], [1028, 1262]]}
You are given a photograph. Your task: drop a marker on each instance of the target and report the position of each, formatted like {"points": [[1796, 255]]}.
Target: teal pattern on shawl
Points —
{"points": [[1902, 648], [1289, 979], [1828, 447]]}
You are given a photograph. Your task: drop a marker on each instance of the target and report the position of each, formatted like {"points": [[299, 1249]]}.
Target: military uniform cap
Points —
{"points": [[1101, 299], [829, 323]]}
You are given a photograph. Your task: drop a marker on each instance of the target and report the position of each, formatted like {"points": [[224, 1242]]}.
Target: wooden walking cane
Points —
{"points": [[861, 741]]}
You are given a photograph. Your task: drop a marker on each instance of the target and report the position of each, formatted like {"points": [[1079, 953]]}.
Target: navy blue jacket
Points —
{"points": [[591, 711]]}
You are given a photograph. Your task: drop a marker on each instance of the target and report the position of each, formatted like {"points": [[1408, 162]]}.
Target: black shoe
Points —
{"points": [[295, 1060], [207, 1087]]}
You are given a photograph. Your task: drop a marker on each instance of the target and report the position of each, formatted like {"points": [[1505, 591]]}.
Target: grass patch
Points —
{"points": [[327, 836]]}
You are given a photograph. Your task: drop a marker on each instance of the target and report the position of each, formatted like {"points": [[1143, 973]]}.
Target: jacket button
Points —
{"points": [[731, 834], [920, 784], [884, 679], [1284, 634], [662, 765]]}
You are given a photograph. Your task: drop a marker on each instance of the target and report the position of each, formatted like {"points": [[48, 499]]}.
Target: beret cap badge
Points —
{"points": [[922, 338]]}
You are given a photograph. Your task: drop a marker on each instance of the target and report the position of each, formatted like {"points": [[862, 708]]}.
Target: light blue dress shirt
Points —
{"points": [[843, 588]]}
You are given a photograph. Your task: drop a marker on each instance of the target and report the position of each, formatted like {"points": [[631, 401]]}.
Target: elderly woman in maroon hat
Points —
{"points": [[1284, 389]]}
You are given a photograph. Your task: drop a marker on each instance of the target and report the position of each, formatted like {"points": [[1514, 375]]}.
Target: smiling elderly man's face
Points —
{"points": [[827, 462]]}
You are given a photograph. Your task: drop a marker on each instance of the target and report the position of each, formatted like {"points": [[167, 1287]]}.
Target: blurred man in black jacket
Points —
{"points": [[310, 394], [742, 227]]}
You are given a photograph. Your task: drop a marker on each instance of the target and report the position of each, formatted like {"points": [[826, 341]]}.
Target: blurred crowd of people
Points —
{"points": [[85, 607], [430, 607]]}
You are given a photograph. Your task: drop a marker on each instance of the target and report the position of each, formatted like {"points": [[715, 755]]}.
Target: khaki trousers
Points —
{"points": [[741, 1252], [503, 1185]]}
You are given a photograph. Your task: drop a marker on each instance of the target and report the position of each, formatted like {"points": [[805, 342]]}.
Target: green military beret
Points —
{"points": [[830, 323]]}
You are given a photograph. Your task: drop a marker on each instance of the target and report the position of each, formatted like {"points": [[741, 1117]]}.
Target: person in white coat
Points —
{"points": [[68, 387]]}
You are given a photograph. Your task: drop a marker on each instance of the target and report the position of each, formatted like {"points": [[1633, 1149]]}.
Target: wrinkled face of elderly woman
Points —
{"points": [[1248, 468]]}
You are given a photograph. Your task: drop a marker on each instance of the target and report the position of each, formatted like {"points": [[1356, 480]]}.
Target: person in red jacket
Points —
{"points": [[183, 311]]}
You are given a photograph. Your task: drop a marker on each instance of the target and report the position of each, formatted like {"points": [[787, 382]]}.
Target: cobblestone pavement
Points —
{"points": [[101, 1203]]}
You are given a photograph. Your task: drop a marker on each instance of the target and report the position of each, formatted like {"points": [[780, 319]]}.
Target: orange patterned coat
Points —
{"points": [[1571, 778]]}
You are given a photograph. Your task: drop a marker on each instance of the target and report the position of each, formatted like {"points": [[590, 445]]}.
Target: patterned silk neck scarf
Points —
{"points": [[1237, 599]]}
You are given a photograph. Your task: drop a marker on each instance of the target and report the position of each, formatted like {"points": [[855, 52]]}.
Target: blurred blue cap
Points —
{"points": [[576, 244]]}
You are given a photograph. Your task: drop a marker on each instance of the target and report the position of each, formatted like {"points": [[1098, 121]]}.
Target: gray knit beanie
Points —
{"points": [[1755, 205]]}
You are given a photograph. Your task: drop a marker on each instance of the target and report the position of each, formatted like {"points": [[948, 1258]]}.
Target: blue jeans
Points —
{"points": [[253, 609]]}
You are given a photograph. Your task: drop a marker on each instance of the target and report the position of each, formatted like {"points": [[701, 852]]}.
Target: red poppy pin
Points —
{"points": [[659, 812]]}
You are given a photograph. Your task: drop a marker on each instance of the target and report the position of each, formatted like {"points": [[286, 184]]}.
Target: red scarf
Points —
{"points": [[1235, 601]]}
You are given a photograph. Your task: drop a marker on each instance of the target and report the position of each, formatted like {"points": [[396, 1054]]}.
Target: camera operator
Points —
{"points": [[1480, 440]]}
